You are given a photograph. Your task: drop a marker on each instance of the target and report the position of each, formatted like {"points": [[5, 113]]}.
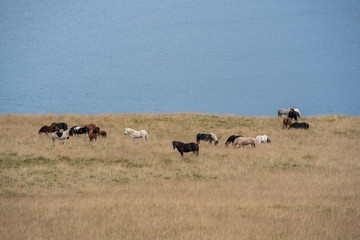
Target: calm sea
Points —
{"points": [[138, 56]]}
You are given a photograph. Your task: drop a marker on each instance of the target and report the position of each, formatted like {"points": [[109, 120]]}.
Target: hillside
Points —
{"points": [[303, 185]]}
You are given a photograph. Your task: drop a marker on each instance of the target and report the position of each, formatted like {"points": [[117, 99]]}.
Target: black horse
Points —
{"points": [[206, 137], [186, 147], [231, 139], [293, 114], [61, 125], [303, 125]]}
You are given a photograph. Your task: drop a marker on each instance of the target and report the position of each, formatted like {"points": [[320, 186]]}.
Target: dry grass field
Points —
{"points": [[304, 185]]}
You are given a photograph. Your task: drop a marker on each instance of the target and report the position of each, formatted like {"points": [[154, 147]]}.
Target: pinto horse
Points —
{"points": [[78, 130], [60, 136], [262, 139], [231, 139], [48, 129], [137, 134], [186, 147], [207, 137]]}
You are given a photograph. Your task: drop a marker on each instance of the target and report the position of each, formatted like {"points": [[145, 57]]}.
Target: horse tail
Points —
{"points": [[146, 136]]}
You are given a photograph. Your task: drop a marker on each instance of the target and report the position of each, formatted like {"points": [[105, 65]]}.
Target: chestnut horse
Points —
{"points": [[48, 129], [287, 122], [93, 134]]}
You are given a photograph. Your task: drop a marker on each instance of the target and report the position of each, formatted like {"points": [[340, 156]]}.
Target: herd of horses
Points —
{"points": [[60, 131]]}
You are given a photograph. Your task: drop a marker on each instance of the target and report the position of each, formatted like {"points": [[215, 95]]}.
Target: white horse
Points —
{"points": [[262, 139], [137, 134], [282, 111], [60, 136]]}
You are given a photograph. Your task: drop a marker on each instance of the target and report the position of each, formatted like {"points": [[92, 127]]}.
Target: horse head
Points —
{"points": [[96, 130]]}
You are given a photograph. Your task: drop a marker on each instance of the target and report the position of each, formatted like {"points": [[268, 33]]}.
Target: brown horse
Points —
{"points": [[287, 122], [93, 134], [90, 126], [48, 129]]}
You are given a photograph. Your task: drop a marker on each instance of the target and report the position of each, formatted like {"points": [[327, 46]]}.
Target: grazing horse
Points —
{"points": [[287, 122], [60, 136], [303, 125], [231, 139], [137, 134], [262, 139], [207, 137], [242, 141], [90, 126], [93, 134], [186, 147], [48, 129], [61, 125], [103, 134], [293, 114], [79, 130]]}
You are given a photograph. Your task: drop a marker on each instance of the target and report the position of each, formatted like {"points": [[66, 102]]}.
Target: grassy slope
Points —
{"points": [[304, 185]]}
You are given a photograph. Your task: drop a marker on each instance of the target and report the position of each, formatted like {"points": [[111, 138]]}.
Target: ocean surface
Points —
{"points": [[218, 57]]}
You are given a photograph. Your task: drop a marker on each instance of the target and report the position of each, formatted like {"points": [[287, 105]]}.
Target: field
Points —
{"points": [[304, 185]]}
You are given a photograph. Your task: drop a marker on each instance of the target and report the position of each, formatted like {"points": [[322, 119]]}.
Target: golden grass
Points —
{"points": [[304, 185]]}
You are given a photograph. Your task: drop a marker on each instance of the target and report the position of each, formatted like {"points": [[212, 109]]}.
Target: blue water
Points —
{"points": [[226, 57]]}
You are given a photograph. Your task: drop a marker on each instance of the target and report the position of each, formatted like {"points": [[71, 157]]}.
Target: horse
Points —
{"points": [[298, 112], [93, 134], [79, 130], [61, 125], [207, 137], [302, 125], [48, 129], [231, 139], [282, 111], [262, 139], [287, 122], [137, 134], [242, 141], [293, 114], [90, 126], [60, 136], [103, 134], [186, 147]]}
